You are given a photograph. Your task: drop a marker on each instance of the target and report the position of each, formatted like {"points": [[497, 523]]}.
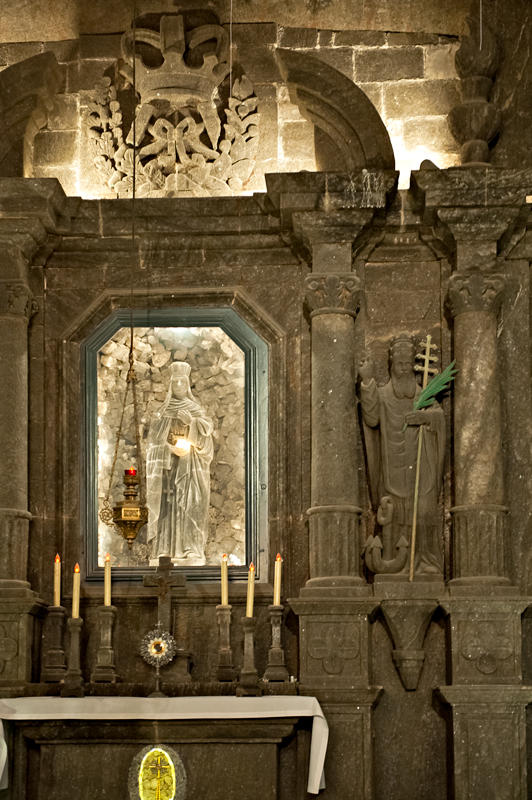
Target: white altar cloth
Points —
{"points": [[109, 708]]}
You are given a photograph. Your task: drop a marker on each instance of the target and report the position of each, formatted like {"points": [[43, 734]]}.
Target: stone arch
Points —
{"points": [[349, 132], [26, 92]]}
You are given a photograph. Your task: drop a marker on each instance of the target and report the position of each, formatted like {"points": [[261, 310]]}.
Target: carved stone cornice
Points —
{"points": [[475, 291], [332, 294]]}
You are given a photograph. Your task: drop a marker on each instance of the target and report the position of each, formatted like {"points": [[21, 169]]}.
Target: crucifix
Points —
{"points": [[164, 581], [158, 770]]}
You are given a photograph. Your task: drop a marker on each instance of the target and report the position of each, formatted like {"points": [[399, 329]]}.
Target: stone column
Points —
{"points": [[333, 301], [29, 210], [18, 604], [15, 305], [474, 211], [479, 512]]}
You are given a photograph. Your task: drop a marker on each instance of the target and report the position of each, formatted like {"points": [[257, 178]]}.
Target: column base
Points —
{"points": [[489, 730], [21, 610]]}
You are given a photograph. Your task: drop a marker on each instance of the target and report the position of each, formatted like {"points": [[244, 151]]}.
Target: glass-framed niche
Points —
{"points": [[202, 389]]}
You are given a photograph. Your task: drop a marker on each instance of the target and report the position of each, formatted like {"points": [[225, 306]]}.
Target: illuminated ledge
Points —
{"points": [[174, 708]]}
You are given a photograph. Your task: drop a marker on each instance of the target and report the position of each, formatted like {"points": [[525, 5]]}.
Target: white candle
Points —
{"points": [[225, 587], [251, 590], [107, 581], [277, 580], [75, 592], [57, 580]]}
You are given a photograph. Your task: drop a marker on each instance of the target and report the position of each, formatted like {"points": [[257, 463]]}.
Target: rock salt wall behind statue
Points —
{"points": [[217, 375]]}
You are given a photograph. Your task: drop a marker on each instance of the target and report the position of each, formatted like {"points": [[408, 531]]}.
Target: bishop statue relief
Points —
{"points": [[179, 455], [391, 430]]}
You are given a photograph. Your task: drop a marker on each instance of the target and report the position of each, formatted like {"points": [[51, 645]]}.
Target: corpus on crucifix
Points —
{"points": [[164, 581]]}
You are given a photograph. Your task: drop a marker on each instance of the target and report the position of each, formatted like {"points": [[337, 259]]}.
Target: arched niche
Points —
{"points": [[349, 133], [26, 92]]}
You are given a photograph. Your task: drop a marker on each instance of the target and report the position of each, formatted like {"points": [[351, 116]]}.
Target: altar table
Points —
{"points": [[172, 708]]}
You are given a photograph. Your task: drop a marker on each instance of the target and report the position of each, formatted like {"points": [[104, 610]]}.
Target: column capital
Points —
{"points": [[16, 300], [475, 291], [332, 294]]}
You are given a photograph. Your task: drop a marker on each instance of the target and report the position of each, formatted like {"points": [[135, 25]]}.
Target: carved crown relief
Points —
{"points": [[475, 291], [195, 131]]}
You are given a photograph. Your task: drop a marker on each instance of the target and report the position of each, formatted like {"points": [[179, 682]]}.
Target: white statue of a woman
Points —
{"points": [[179, 455]]}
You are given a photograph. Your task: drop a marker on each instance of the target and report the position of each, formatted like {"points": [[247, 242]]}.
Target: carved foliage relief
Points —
{"points": [[196, 125]]}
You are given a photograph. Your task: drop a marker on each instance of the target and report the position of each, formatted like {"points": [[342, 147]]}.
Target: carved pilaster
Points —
{"points": [[335, 666], [489, 737], [488, 703]]}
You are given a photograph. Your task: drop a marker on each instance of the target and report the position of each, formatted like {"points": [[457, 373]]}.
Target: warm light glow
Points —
{"points": [[224, 557], [409, 159], [252, 567], [183, 444], [57, 558], [76, 568], [278, 557], [157, 776], [107, 557], [130, 471]]}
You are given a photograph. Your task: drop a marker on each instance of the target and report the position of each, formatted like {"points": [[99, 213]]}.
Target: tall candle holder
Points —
{"points": [[54, 665], [73, 685], [105, 670], [248, 684], [276, 669], [225, 670]]}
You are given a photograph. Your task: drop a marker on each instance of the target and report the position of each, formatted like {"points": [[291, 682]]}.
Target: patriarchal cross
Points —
{"points": [[164, 581]]}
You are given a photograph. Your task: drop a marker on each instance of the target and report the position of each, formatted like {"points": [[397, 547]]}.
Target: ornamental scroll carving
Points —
{"points": [[332, 294], [475, 291], [196, 125]]}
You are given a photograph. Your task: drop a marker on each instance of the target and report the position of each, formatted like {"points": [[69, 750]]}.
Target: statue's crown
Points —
{"points": [[179, 368], [174, 80], [403, 340]]}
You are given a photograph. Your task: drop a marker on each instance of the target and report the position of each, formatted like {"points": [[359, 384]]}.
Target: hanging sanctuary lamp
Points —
{"points": [[129, 515]]}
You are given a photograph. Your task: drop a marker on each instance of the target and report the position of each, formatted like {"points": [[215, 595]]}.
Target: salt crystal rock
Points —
{"points": [[160, 358]]}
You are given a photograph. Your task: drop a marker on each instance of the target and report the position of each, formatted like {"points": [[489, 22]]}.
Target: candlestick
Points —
{"points": [[225, 670], [277, 580], [251, 590], [276, 670], [107, 581], [53, 663], [57, 581], [248, 683], [73, 685], [225, 587], [104, 670], [76, 584]]}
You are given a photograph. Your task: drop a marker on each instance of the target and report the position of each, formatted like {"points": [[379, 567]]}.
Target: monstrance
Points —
{"points": [[158, 648]]}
